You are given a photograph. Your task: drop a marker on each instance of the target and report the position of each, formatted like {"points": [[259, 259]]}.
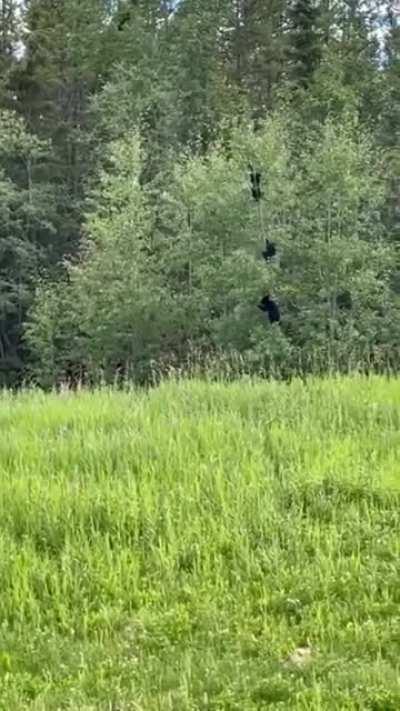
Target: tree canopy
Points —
{"points": [[129, 238]]}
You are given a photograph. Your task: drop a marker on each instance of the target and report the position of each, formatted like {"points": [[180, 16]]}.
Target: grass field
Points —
{"points": [[169, 549]]}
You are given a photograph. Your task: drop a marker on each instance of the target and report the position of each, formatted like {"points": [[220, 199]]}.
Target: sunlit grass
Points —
{"points": [[167, 549]]}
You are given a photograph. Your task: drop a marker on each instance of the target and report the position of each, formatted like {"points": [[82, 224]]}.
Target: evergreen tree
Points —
{"points": [[26, 212], [304, 50], [61, 68], [9, 45], [390, 123]]}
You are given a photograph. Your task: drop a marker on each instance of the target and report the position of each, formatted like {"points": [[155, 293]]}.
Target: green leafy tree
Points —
{"points": [[323, 204], [340, 247], [112, 312], [151, 290]]}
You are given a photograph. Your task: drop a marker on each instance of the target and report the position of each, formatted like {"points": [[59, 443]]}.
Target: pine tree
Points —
{"points": [[26, 212], [304, 45], [390, 125], [60, 70], [392, 77], [257, 49], [9, 44]]}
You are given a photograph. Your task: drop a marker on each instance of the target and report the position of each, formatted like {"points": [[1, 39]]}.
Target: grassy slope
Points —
{"points": [[168, 550]]}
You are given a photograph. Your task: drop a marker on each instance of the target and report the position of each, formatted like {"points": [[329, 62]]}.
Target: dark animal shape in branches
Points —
{"points": [[123, 17], [344, 300], [255, 180], [270, 308], [269, 251]]}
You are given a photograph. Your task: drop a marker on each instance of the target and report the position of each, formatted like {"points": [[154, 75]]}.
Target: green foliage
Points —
{"points": [[304, 43], [113, 304], [25, 221], [311, 79], [153, 285], [338, 243]]}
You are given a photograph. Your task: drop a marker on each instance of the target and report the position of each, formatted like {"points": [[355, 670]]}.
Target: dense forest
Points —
{"points": [[130, 242]]}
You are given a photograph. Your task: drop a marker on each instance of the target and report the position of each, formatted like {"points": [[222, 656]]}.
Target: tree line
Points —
{"points": [[129, 239]]}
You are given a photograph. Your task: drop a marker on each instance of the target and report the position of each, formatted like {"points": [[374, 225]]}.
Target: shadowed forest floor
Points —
{"points": [[171, 549]]}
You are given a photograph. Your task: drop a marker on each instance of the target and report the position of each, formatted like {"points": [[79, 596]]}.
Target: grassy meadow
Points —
{"points": [[172, 548]]}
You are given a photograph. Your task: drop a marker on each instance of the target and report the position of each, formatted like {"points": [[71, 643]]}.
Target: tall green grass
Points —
{"points": [[167, 549]]}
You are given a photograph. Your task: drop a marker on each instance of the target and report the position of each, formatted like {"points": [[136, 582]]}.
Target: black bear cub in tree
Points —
{"points": [[270, 308], [255, 179], [269, 251]]}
